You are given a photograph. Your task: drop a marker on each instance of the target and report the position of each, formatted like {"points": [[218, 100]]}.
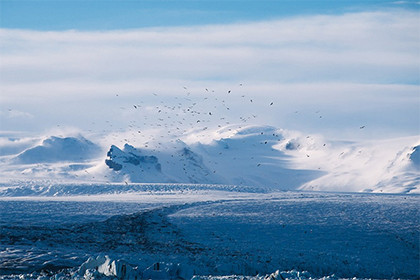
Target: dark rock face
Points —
{"points": [[292, 145], [113, 165], [118, 158]]}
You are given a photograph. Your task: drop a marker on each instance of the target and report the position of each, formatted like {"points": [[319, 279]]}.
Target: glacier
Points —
{"points": [[238, 202], [194, 230]]}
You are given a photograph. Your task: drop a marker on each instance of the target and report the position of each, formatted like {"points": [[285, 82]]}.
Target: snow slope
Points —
{"points": [[236, 156], [372, 166], [259, 156], [57, 149], [48, 158]]}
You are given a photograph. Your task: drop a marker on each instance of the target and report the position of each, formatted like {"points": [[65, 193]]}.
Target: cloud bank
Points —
{"points": [[352, 66]]}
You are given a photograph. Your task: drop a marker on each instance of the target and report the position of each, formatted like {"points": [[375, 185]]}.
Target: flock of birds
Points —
{"points": [[152, 125], [178, 116], [191, 113], [156, 121]]}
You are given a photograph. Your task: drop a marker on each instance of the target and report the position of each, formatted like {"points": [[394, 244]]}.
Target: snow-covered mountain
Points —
{"points": [[51, 157], [236, 156], [389, 166], [259, 156], [58, 149], [208, 203], [139, 165]]}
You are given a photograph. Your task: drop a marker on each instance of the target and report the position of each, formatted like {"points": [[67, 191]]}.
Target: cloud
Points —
{"points": [[11, 146], [405, 2], [368, 47], [11, 113], [306, 60]]}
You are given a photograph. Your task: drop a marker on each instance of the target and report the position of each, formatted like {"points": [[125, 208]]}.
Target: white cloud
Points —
{"points": [[11, 113], [311, 48], [322, 60]]}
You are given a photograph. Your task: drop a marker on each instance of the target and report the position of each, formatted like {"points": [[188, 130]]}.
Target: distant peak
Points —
{"points": [[58, 149]]}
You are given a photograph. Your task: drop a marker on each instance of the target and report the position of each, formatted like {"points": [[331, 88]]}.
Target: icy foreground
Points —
{"points": [[257, 156], [159, 231]]}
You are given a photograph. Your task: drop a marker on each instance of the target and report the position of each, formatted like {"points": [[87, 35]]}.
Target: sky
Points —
{"points": [[133, 14], [327, 67]]}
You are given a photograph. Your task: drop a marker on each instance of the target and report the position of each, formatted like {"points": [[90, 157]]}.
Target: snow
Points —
{"points": [[195, 231], [56, 149], [234, 202], [257, 156], [65, 190]]}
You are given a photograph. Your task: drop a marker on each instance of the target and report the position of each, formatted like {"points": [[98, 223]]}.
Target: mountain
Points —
{"points": [[402, 173], [59, 149], [388, 166], [414, 156], [131, 164], [239, 156], [255, 156], [117, 159], [142, 166], [249, 156]]}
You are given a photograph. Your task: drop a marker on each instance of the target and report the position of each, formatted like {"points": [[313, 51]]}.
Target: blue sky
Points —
{"points": [[105, 15], [62, 63]]}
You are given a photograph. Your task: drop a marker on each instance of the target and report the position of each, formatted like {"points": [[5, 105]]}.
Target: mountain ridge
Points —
{"points": [[260, 156]]}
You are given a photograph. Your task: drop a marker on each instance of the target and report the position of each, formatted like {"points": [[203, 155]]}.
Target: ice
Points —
{"points": [[214, 234], [236, 202], [51, 188], [104, 265]]}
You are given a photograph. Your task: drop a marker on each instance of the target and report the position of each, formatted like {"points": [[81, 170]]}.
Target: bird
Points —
{"points": [[271, 104], [362, 127]]}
